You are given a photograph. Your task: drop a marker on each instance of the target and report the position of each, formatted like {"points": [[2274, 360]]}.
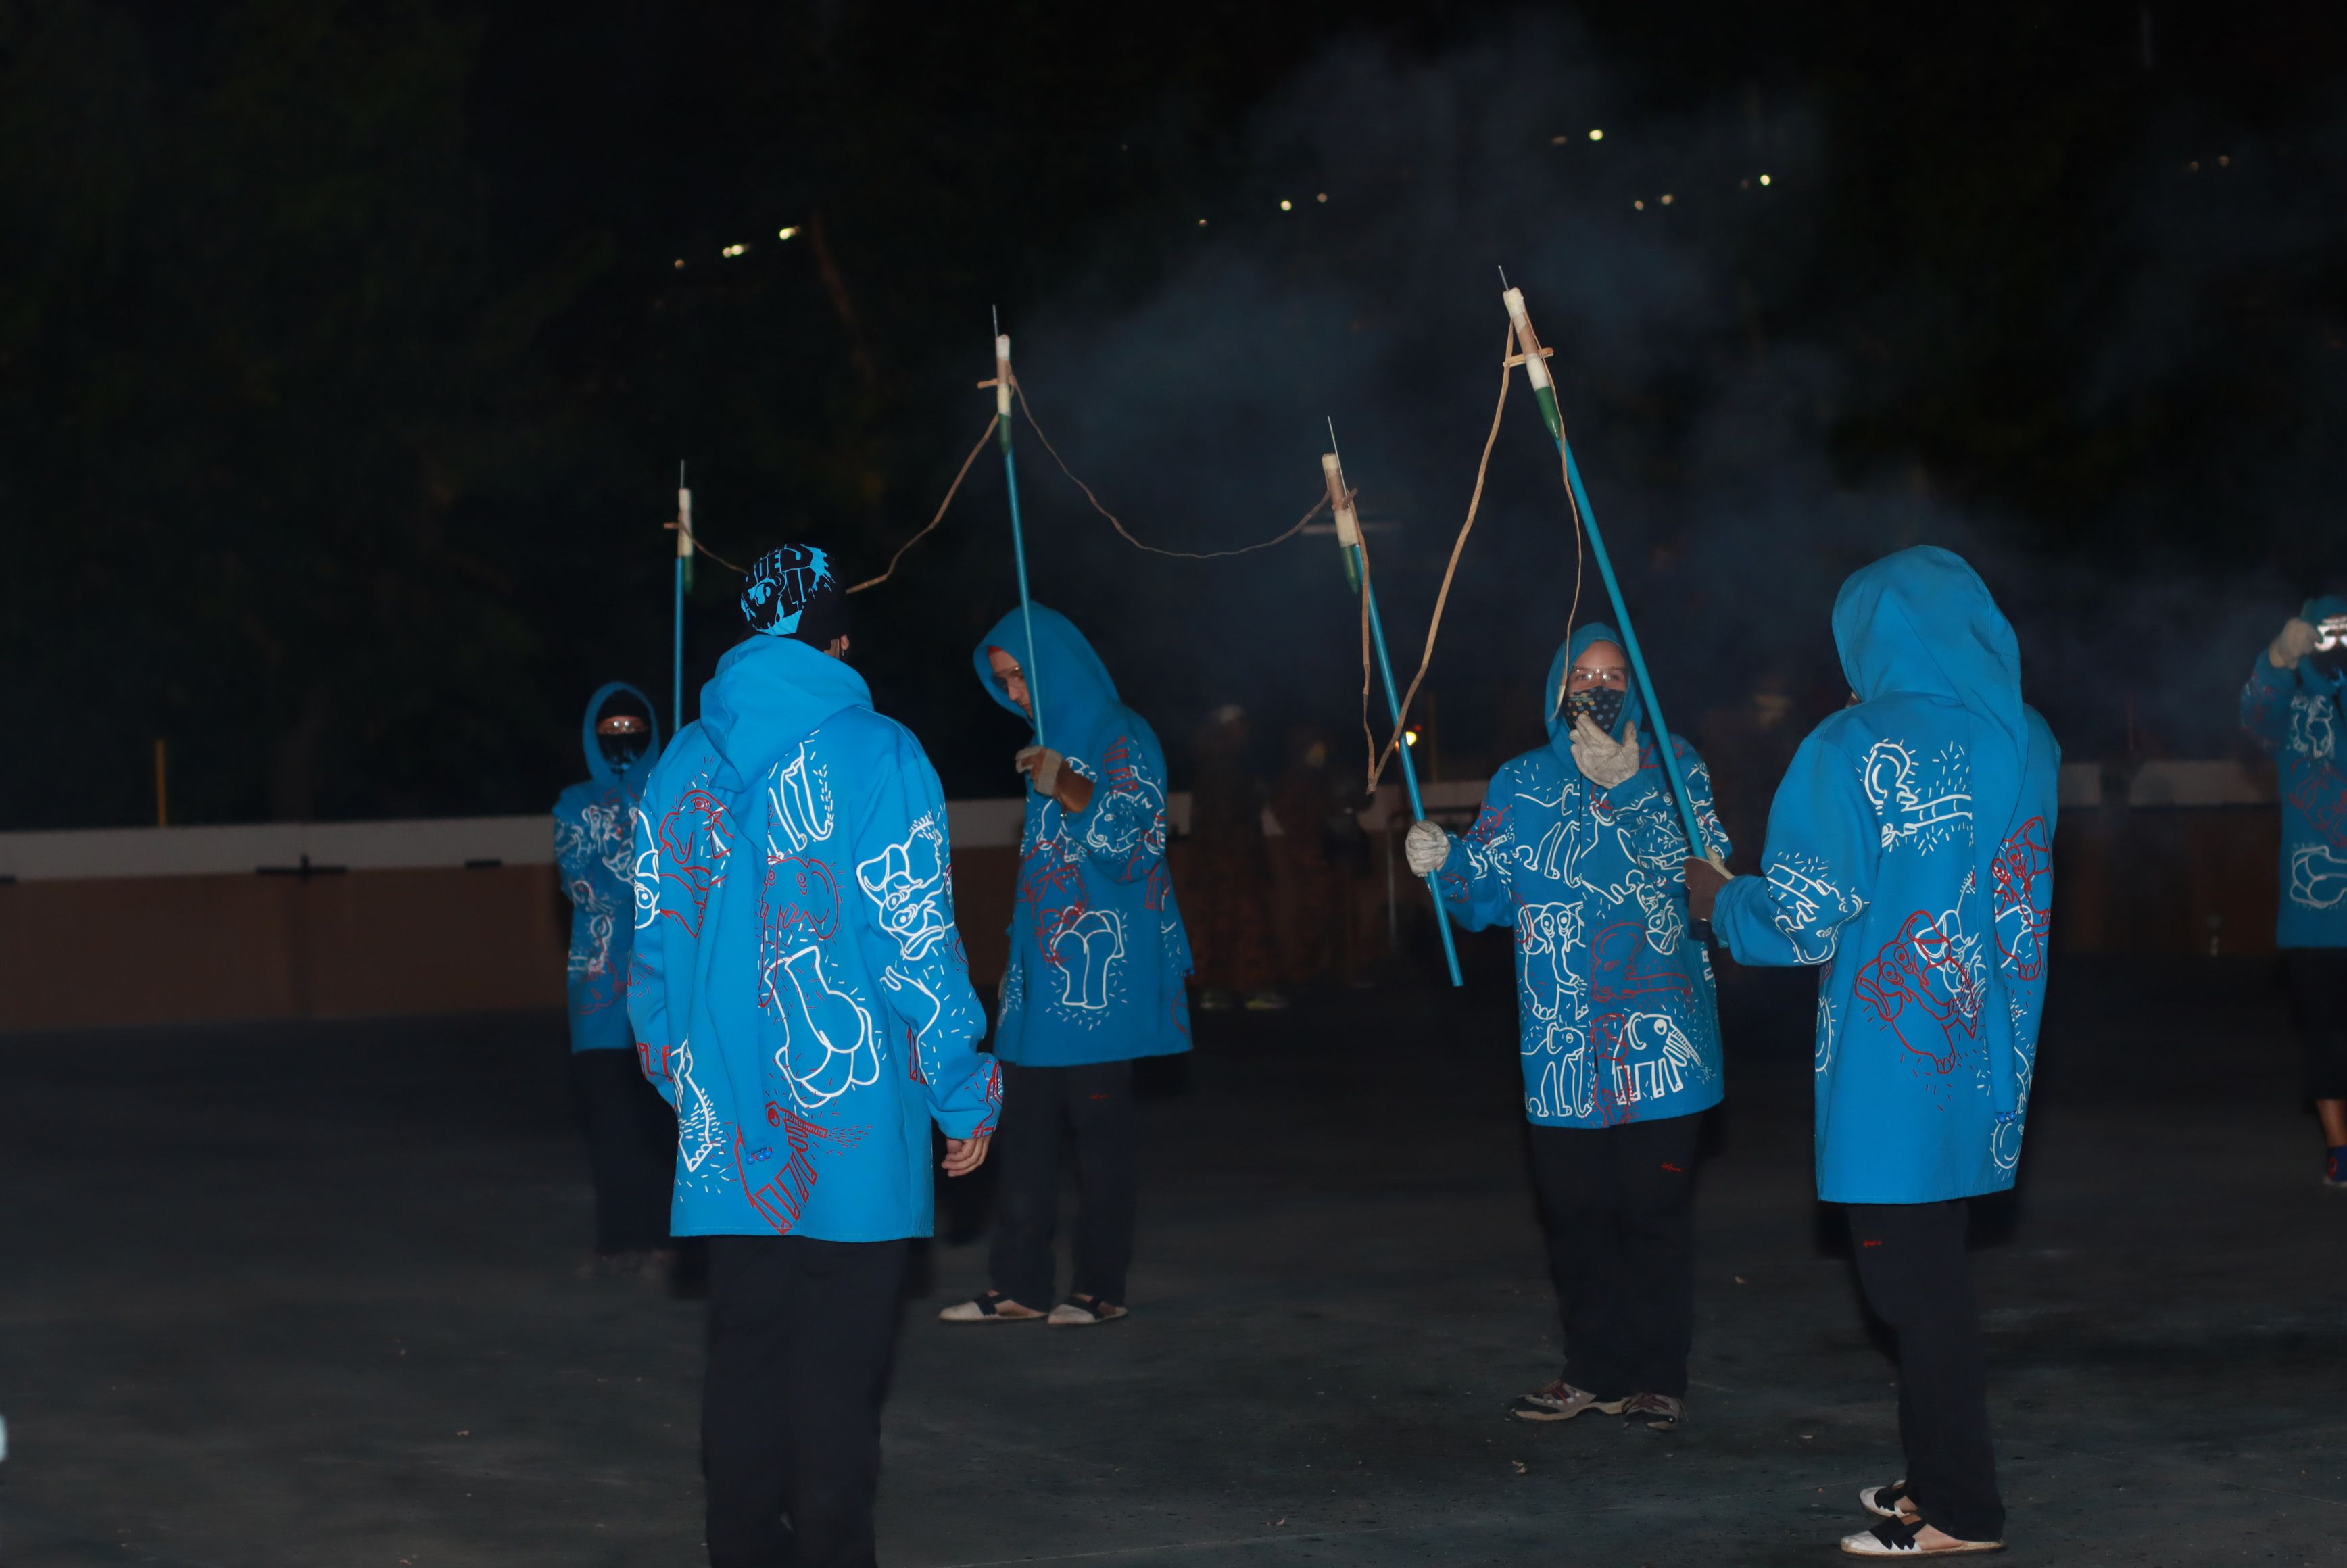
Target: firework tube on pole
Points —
{"points": [[1535, 363], [1357, 572], [1003, 384], [683, 579]]}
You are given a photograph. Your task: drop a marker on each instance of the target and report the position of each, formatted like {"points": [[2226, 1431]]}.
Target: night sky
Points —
{"points": [[347, 353]]}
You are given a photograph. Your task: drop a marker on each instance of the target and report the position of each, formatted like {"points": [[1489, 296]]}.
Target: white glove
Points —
{"points": [[1043, 763], [1604, 760], [1426, 846], [2297, 640]]}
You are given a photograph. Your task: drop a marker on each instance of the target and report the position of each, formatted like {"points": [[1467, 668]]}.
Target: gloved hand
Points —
{"points": [[1704, 878], [2297, 640], [1042, 764], [1605, 761], [1426, 846]]}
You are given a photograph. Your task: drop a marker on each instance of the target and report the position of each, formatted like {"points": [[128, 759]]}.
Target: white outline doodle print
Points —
{"points": [[1554, 932], [798, 797], [1799, 892], [897, 980], [1666, 1056], [907, 883], [2312, 731], [698, 1133], [1567, 1087], [842, 1067], [647, 877], [1924, 820], [1098, 936], [2314, 886], [1824, 1051]]}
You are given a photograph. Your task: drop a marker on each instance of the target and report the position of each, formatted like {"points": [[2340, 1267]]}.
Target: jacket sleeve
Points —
{"points": [[904, 869], [1123, 832], [1645, 798], [647, 976], [2265, 704], [1817, 868], [573, 858], [1478, 887]]}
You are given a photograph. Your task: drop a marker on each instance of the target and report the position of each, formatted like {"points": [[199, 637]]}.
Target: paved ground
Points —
{"points": [[303, 1296]]}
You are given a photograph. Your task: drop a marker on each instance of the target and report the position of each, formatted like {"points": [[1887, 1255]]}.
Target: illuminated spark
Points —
{"points": [[733, 250], [1666, 199], [1322, 196], [1409, 737], [1597, 134], [1764, 179], [1286, 206], [680, 264], [1639, 205], [1202, 222], [789, 233], [1558, 141]]}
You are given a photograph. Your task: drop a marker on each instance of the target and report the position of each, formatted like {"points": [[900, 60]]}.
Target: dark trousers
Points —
{"points": [[2318, 997], [1911, 1260], [630, 1149], [1038, 1105], [800, 1336], [1618, 1206]]}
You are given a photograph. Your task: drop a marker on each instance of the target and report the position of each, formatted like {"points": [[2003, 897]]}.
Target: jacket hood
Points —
{"points": [[598, 768], [768, 694], [1066, 679], [1560, 728], [1923, 622], [2317, 610]]}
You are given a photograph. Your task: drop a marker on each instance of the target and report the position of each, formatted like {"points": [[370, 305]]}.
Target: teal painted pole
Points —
{"points": [[1356, 574], [1018, 531], [1545, 393]]}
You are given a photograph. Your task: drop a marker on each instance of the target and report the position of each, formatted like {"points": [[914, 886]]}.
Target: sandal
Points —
{"points": [[1076, 1311], [991, 1308], [1897, 1538], [1887, 1501]]}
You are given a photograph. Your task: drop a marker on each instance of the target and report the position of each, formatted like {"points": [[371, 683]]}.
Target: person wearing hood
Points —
{"points": [[1910, 855], [1095, 980], [1578, 849], [801, 996], [2293, 705], [629, 1130]]}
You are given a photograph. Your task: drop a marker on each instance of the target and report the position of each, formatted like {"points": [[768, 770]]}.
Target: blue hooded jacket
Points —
{"points": [[1910, 852], [2296, 715], [594, 837], [799, 992], [1098, 952], [1615, 1014]]}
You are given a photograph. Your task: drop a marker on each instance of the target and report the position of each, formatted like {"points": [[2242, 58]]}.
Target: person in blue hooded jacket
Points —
{"points": [[629, 1132], [1578, 850], [801, 996], [1910, 855], [2293, 705], [1095, 980]]}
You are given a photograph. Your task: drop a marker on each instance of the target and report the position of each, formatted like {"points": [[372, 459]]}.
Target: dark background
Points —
{"points": [[345, 359]]}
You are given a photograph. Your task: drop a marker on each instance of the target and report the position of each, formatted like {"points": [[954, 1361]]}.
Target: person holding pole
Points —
{"points": [[799, 995], [1099, 959], [1910, 856], [2295, 703], [1578, 847]]}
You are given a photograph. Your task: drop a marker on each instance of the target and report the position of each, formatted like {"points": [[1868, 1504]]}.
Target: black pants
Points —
{"points": [[1618, 1206], [1911, 1259], [2318, 997], [1039, 1103], [800, 1336], [630, 1149]]}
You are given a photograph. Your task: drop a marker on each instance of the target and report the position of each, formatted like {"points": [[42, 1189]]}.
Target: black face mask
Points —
{"points": [[2329, 662], [1602, 703]]}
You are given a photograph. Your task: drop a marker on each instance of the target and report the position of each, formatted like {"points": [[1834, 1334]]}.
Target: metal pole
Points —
{"points": [[1356, 569], [1545, 392], [1018, 531]]}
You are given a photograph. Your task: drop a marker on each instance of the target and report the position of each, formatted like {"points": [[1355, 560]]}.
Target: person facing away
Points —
{"points": [[801, 996], [629, 1132], [1578, 848], [1910, 854], [2293, 705], [1098, 960]]}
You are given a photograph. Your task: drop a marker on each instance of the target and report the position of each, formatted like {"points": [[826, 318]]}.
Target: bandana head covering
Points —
{"points": [[792, 593]]}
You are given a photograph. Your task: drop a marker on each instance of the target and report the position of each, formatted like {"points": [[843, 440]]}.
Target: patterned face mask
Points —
{"points": [[1602, 703]]}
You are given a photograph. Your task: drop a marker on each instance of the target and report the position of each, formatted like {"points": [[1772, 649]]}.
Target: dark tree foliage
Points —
{"points": [[345, 354]]}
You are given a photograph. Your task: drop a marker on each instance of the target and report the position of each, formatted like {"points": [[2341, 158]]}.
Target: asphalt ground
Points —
{"points": [[308, 1294]]}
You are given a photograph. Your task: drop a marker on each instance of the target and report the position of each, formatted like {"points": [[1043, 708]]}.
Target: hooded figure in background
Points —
{"points": [[1910, 855], [2293, 705], [629, 1132], [799, 995], [1098, 961], [1578, 849]]}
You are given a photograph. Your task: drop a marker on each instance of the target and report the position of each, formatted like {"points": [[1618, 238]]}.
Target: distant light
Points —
{"points": [[1322, 196], [789, 233], [1558, 141], [1202, 222], [1286, 206], [1595, 134], [733, 250], [1639, 205], [1666, 199], [1764, 179], [2224, 161], [2194, 165], [680, 264], [1409, 737]]}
